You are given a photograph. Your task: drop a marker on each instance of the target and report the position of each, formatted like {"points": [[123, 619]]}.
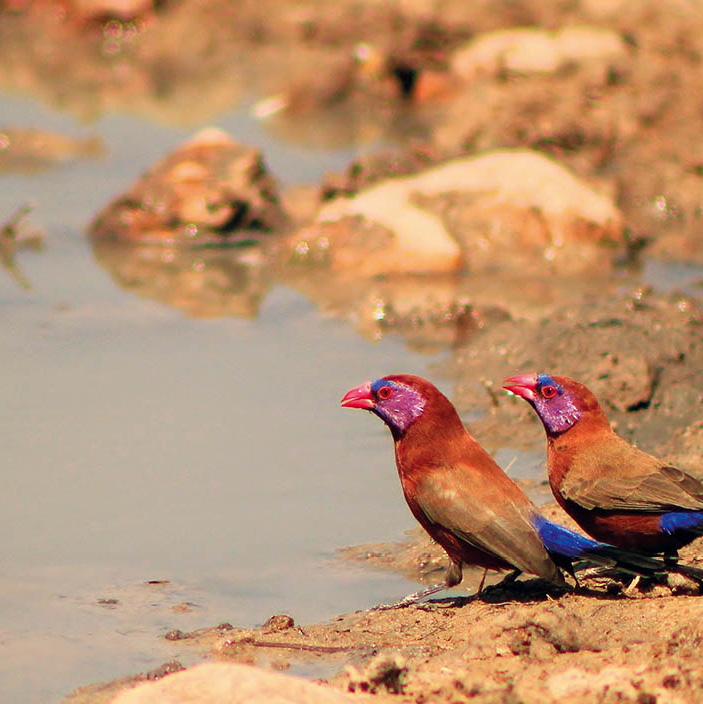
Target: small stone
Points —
{"points": [[175, 634], [279, 622]]}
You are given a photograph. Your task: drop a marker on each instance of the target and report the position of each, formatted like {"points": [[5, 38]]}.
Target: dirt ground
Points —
{"points": [[632, 126], [608, 641]]}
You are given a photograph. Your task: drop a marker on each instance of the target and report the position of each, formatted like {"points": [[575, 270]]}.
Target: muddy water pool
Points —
{"points": [[143, 445]]}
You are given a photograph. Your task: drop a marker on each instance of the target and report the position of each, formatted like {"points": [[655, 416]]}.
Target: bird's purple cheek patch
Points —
{"points": [[360, 397]]}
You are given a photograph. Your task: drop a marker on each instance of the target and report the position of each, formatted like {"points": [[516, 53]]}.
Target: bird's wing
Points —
{"points": [[664, 489], [478, 514]]}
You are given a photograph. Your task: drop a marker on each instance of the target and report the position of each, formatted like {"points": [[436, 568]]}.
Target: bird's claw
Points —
{"points": [[402, 604]]}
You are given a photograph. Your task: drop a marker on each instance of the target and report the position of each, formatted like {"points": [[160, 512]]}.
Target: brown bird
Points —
{"points": [[614, 491]]}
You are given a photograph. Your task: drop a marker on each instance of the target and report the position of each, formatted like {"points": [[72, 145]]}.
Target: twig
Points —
{"points": [[302, 646], [12, 239], [11, 227]]}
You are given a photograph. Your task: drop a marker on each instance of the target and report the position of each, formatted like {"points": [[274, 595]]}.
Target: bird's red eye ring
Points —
{"points": [[385, 392], [549, 391]]}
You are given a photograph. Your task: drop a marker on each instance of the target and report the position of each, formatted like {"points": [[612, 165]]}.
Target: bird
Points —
{"points": [[617, 493], [462, 497]]}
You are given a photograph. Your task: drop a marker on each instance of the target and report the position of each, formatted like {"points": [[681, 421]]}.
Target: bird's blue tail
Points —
{"points": [[562, 541], [565, 546], [682, 521]]}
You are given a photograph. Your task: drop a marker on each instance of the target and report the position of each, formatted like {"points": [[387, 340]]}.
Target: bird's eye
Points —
{"points": [[385, 392], [549, 391]]}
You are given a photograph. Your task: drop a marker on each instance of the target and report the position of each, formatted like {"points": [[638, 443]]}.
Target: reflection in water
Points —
{"points": [[203, 283], [431, 312]]}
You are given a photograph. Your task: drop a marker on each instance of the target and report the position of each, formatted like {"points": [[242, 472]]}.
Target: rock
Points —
{"points": [[680, 584], [279, 622], [627, 380], [222, 683], [371, 168], [202, 194], [506, 208], [386, 672], [685, 447], [541, 634], [529, 49]]}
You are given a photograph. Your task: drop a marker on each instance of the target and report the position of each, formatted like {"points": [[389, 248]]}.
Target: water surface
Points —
{"points": [[140, 444]]}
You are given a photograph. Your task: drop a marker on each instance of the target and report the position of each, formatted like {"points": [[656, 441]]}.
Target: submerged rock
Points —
{"points": [[27, 149], [204, 193]]}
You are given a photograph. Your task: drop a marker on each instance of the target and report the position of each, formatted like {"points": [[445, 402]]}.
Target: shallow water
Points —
{"points": [[140, 444]]}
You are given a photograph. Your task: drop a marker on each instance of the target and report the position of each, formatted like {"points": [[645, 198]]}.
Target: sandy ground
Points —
{"points": [[608, 641]]}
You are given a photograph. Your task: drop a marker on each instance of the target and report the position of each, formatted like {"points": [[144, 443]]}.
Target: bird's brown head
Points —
{"points": [[399, 400], [560, 402]]}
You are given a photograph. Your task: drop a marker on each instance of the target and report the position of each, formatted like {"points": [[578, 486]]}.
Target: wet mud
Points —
{"points": [[607, 641]]}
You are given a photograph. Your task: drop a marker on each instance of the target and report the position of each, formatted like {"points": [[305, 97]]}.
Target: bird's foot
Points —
{"points": [[411, 599]]}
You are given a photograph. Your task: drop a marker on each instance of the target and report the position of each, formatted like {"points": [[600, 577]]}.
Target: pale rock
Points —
{"points": [[529, 49], [224, 683], [519, 203]]}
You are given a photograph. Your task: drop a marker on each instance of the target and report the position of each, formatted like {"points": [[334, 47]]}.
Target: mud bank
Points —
{"points": [[608, 641]]}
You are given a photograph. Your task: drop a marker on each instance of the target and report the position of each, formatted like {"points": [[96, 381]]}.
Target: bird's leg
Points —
{"points": [[509, 578], [481, 583], [452, 577]]}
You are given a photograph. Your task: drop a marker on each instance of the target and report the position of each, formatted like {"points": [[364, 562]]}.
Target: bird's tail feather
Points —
{"points": [[634, 562], [566, 545], [682, 521]]}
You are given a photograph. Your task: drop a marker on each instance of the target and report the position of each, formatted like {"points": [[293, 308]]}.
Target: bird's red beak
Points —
{"points": [[524, 385], [360, 397]]}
